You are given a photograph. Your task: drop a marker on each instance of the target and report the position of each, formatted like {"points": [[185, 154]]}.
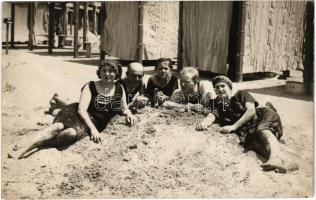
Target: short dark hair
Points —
{"points": [[223, 79], [113, 63], [161, 60]]}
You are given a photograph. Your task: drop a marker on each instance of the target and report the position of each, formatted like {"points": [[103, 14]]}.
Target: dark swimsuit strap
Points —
{"points": [[94, 92], [93, 88]]}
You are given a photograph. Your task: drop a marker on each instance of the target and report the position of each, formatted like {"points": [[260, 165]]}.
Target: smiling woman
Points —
{"points": [[99, 102]]}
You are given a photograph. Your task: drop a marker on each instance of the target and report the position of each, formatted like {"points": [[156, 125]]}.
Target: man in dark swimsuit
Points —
{"points": [[134, 86]]}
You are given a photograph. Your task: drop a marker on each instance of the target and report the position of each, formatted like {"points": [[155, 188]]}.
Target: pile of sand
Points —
{"points": [[161, 156]]}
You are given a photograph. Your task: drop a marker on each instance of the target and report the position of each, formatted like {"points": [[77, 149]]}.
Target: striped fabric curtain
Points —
{"points": [[120, 34], [206, 34]]}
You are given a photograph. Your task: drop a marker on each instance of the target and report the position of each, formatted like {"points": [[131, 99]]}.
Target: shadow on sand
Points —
{"points": [[279, 91], [69, 53], [23, 46], [47, 146]]}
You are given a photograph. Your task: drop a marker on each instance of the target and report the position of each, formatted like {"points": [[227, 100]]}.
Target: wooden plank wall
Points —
{"points": [[274, 35]]}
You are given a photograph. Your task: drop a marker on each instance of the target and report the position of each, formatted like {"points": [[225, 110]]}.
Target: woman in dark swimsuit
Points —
{"points": [[163, 83], [99, 102], [258, 127]]}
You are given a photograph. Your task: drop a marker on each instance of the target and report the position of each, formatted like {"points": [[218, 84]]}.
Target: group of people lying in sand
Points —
{"points": [[259, 127]]}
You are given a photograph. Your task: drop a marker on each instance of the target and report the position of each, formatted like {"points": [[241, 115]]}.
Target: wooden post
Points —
{"points": [[76, 12], [88, 50], [234, 30], [7, 39], [180, 38], [94, 20], [13, 23], [85, 24], [71, 20], [7, 21], [102, 19], [241, 40], [308, 49], [140, 31], [31, 25], [65, 19], [51, 28]]}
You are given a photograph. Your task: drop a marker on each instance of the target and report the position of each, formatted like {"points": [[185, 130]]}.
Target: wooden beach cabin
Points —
{"points": [[226, 37]]}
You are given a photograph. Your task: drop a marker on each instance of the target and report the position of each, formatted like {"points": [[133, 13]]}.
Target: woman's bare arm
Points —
{"points": [[206, 122], [84, 101], [130, 118], [248, 115]]}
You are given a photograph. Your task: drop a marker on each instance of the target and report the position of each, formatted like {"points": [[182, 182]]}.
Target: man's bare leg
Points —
{"points": [[277, 161], [40, 138]]}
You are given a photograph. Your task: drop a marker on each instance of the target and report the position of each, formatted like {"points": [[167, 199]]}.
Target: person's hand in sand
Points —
{"points": [[194, 107], [206, 122], [227, 129], [131, 120], [95, 136], [140, 102], [142, 99], [161, 98]]}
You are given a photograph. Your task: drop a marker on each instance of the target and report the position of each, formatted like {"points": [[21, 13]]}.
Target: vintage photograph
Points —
{"points": [[157, 99]]}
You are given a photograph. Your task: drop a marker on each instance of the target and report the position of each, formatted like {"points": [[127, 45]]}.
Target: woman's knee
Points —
{"points": [[265, 133], [70, 132], [66, 137], [57, 126]]}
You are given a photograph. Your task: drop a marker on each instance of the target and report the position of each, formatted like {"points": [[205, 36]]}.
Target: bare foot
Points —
{"points": [[16, 154], [58, 101], [274, 164], [37, 140], [280, 166], [55, 105], [292, 166], [52, 104], [15, 150]]}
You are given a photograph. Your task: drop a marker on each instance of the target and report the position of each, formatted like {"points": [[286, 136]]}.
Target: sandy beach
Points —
{"points": [[162, 156]]}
